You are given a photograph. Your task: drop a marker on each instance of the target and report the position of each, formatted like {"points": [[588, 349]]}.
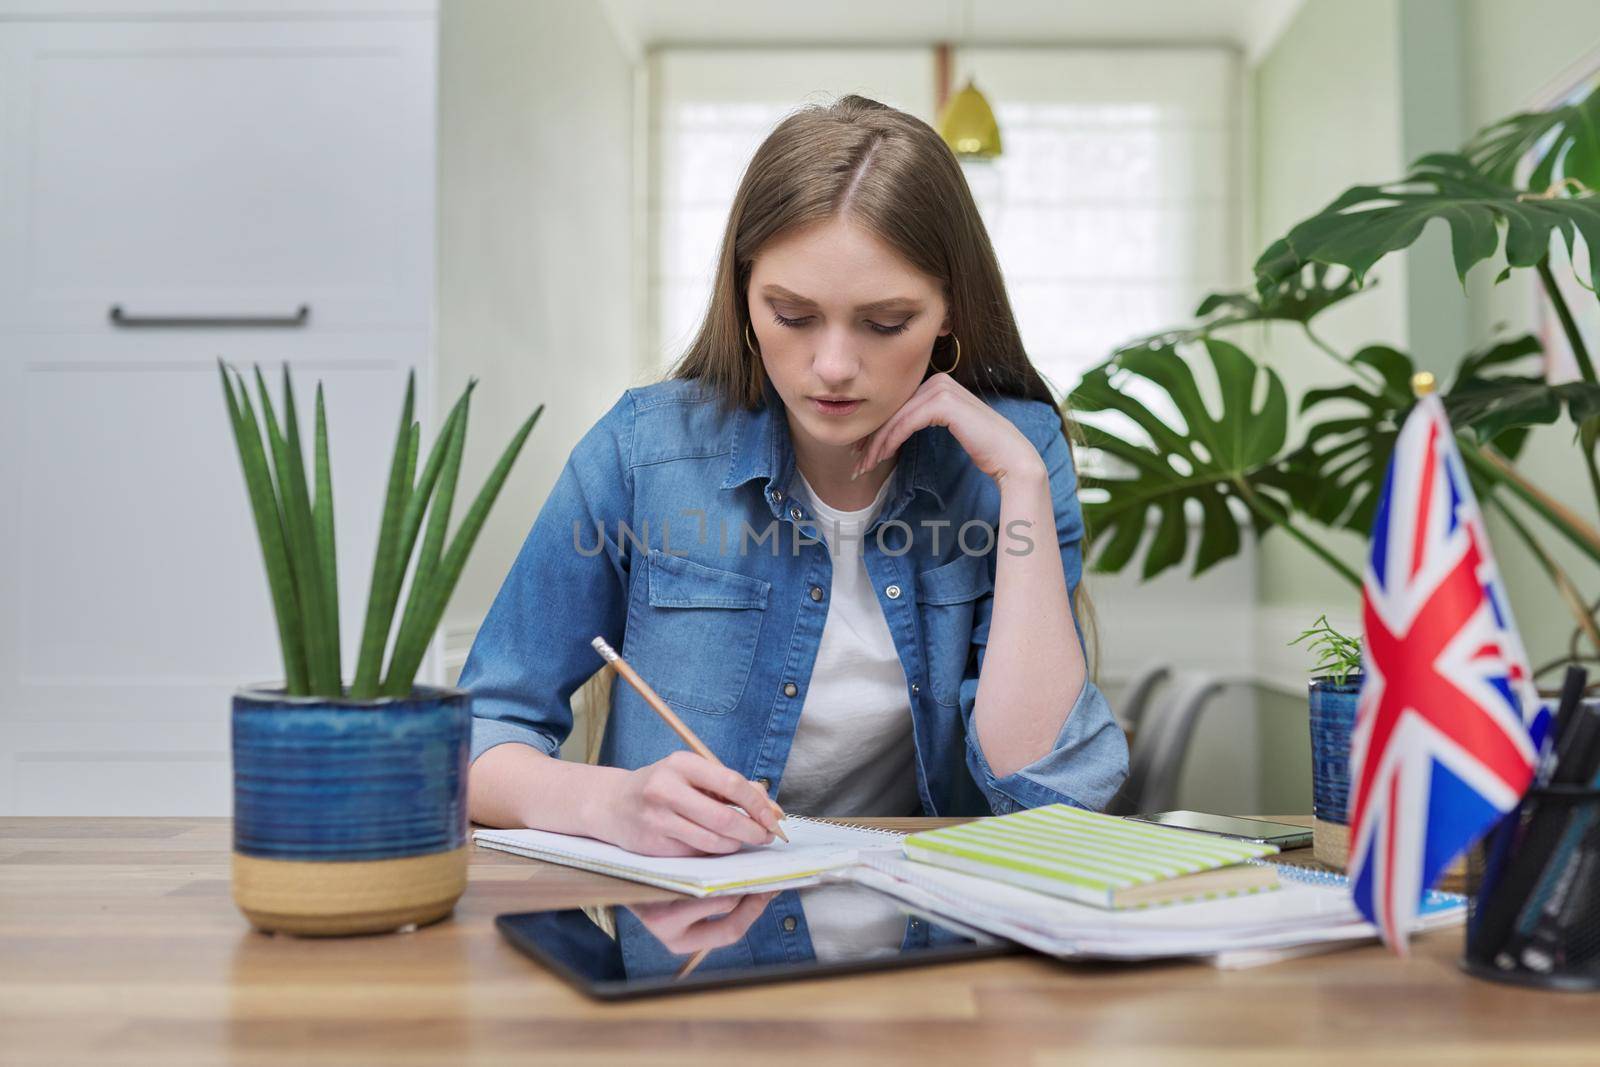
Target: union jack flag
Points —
{"points": [[1448, 721]]}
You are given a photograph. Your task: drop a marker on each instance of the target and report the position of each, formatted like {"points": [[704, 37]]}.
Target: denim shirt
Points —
{"points": [[669, 533]]}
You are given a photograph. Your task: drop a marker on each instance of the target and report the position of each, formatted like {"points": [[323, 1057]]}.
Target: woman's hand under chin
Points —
{"points": [[996, 446]]}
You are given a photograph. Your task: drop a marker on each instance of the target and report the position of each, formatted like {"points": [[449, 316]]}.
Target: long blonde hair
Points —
{"points": [[893, 174]]}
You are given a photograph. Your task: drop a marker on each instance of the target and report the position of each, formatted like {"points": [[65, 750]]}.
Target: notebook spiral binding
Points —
{"points": [[896, 834], [1335, 880]]}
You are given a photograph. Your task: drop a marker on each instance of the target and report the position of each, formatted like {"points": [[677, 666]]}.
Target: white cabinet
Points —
{"points": [[222, 168], [215, 175]]}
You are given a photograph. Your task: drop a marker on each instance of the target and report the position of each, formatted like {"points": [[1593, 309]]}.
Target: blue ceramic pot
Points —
{"points": [[1333, 718], [349, 816]]}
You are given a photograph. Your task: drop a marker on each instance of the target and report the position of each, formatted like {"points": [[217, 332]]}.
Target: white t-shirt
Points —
{"points": [[852, 752]]}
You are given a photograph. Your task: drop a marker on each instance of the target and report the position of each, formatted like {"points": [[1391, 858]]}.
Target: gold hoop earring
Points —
{"points": [[947, 370], [747, 343]]}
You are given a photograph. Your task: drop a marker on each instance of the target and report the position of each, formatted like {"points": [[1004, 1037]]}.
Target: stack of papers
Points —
{"points": [[1312, 908], [1309, 911]]}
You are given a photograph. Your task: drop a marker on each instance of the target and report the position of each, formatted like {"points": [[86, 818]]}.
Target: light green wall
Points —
{"points": [[1522, 56], [1284, 732], [535, 179], [1325, 118], [1350, 93], [1518, 52], [1433, 119]]}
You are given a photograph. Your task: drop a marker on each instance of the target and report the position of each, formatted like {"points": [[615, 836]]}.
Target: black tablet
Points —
{"points": [[619, 951]]}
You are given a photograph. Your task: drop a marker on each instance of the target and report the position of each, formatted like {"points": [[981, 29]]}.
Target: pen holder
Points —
{"points": [[1534, 917]]}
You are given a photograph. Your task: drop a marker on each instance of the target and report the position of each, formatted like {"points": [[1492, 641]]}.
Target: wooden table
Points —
{"points": [[119, 944]]}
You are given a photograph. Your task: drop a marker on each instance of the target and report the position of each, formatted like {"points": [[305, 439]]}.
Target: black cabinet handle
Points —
{"points": [[301, 316]]}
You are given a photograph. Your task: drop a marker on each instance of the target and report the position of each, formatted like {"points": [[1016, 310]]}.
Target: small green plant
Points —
{"points": [[1338, 655], [294, 523]]}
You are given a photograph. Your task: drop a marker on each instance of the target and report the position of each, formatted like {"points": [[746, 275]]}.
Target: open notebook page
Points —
{"points": [[813, 847]]}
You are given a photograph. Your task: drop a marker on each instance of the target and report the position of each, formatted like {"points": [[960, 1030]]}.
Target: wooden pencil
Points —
{"points": [[669, 716], [691, 963]]}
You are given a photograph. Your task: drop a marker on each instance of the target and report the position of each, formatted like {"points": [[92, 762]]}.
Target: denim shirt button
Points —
{"points": [[777, 496], [893, 592], [795, 513], [915, 688], [789, 923], [790, 689], [764, 783], [816, 592]]}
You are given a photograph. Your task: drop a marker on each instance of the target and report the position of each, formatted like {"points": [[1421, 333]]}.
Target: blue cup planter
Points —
{"points": [[349, 816], [1333, 718]]}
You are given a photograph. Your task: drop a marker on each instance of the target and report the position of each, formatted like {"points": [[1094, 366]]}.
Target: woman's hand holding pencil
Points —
{"points": [[689, 803]]}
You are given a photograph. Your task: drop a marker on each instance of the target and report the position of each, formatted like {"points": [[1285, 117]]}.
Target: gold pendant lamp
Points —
{"points": [[968, 125], [966, 121]]}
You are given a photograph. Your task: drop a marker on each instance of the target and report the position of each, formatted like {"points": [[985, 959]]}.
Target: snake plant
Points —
{"points": [[294, 524]]}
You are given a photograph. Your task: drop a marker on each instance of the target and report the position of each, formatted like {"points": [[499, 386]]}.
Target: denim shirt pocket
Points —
{"points": [[693, 634], [947, 597]]}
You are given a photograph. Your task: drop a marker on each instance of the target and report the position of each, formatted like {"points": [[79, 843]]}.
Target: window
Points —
{"points": [[1112, 209], [710, 110]]}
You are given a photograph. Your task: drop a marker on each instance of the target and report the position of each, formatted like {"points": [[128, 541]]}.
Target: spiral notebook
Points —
{"points": [[1102, 860], [814, 847]]}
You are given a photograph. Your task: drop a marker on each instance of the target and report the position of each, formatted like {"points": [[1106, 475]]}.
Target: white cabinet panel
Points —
{"points": [[117, 765], [133, 573], [143, 564], [178, 168], [216, 168]]}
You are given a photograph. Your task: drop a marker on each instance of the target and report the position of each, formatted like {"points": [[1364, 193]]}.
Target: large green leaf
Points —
{"points": [[417, 627], [269, 529], [1339, 469], [1214, 456], [294, 502], [1500, 408], [1564, 142], [1341, 463], [388, 563], [1368, 222], [1300, 298], [322, 527]]}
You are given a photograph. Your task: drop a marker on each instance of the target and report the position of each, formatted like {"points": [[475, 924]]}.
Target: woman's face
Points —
{"points": [[840, 316]]}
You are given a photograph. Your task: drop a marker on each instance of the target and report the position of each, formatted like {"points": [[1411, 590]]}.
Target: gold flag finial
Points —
{"points": [[1422, 383]]}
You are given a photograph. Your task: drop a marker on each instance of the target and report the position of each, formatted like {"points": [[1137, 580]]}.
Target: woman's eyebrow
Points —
{"points": [[876, 305]]}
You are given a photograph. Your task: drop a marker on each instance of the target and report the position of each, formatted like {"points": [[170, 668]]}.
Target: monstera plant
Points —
{"points": [[1231, 462]]}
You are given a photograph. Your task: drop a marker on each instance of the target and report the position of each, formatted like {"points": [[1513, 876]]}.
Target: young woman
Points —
{"points": [[842, 539]]}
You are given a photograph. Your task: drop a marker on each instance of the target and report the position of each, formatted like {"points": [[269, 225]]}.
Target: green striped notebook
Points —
{"points": [[1096, 859]]}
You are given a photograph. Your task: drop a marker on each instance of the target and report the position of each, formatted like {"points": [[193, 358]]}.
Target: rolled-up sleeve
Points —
{"points": [[1089, 760], [568, 583]]}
